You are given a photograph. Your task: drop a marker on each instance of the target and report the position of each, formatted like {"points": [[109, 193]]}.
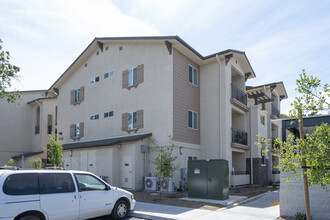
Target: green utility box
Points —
{"points": [[208, 179]]}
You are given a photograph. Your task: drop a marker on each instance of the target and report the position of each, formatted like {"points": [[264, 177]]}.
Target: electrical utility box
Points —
{"points": [[208, 179]]}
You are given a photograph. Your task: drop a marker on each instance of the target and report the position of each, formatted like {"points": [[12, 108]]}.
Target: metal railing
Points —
{"points": [[240, 172], [276, 172], [238, 136], [276, 111], [238, 94]]}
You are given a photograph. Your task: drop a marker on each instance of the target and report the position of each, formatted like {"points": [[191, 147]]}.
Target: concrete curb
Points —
{"points": [[242, 202], [148, 216]]}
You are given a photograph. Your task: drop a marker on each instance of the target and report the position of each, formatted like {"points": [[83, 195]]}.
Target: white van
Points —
{"points": [[59, 195]]}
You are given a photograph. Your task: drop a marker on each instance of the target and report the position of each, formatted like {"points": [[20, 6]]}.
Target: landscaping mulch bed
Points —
{"points": [[173, 199]]}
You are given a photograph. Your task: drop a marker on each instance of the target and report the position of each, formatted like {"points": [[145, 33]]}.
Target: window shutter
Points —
{"points": [[72, 97], [140, 73], [139, 119], [81, 129], [125, 79], [72, 131], [124, 121], [82, 93]]}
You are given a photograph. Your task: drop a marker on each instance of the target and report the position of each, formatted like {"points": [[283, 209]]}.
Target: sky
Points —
{"points": [[280, 38]]}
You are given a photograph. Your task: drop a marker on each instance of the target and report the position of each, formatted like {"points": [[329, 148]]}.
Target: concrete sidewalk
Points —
{"points": [[260, 208]]}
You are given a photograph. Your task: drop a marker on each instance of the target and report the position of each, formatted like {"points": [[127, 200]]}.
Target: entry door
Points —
{"points": [[83, 161], [126, 167]]}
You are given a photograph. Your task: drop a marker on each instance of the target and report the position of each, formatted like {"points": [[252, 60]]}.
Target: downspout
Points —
{"points": [[251, 159], [217, 56]]}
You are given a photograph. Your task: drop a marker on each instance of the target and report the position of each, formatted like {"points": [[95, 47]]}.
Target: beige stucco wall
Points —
{"points": [[16, 130], [154, 95]]}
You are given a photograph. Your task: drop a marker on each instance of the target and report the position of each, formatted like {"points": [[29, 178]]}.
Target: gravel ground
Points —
{"points": [[173, 199]]}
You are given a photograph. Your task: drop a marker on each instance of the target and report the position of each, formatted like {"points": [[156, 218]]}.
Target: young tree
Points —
{"points": [[165, 161], [7, 73], [309, 153], [36, 163], [55, 151]]}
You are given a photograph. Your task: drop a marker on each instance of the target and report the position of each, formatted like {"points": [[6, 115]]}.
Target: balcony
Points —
{"points": [[238, 94], [275, 112], [239, 178], [238, 136]]}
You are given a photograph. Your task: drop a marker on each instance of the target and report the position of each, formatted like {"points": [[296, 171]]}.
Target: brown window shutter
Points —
{"points": [[139, 119], [72, 131], [82, 93], [72, 97], [124, 121], [81, 129], [125, 79], [140, 73]]}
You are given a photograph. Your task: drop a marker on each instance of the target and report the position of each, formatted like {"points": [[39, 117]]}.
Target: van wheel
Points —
{"points": [[120, 210], [30, 217]]}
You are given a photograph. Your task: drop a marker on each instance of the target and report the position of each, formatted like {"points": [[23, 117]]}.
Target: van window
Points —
{"points": [[56, 183], [21, 184], [88, 182]]}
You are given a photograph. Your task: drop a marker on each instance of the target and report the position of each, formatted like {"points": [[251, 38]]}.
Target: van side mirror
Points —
{"points": [[107, 187]]}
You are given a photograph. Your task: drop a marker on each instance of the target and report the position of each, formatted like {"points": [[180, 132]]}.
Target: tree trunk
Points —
{"points": [[303, 163]]}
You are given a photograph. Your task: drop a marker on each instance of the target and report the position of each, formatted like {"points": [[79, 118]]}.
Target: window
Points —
{"points": [[21, 184], [108, 114], [193, 75], [76, 130], [88, 182], [131, 120], [132, 76], [94, 117], [56, 183], [95, 79], [76, 95], [192, 158], [109, 74], [192, 119]]}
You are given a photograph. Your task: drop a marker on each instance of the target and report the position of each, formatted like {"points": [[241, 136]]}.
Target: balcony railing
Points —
{"points": [[239, 136], [276, 111], [238, 94], [37, 129]]}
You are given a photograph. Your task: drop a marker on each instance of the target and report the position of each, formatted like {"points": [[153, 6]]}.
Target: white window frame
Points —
{"points": [[94, 117], [76, 95], [76, 132], [194, 123], [132, 75], [194, 78], [131, 125], [109, 74]]}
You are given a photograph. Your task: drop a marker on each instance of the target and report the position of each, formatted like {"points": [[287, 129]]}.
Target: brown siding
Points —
{"points": [[186, 96]]}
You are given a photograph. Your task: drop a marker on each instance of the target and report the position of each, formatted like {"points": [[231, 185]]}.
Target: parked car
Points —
{"points": [[60, 195]]}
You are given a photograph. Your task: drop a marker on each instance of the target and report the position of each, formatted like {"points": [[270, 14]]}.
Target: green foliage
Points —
{"points": [[316, 148], [311, 99], [165, 161], [36, 163], [7, 73], [313, 149], [300, 216], [55, 151], [10, 163]]}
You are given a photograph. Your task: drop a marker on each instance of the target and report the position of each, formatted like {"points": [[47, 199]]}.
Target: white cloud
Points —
{"points": [[45, 37]]}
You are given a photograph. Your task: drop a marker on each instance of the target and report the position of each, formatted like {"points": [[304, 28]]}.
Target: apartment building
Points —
{"points": [[25, 127], [122, 92]]}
